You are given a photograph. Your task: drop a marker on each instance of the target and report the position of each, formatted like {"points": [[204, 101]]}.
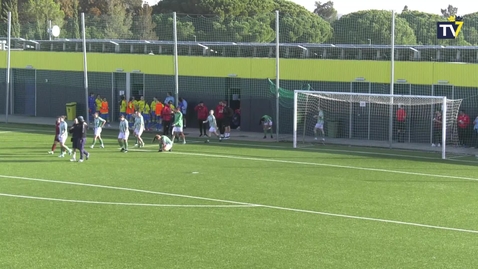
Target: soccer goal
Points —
{"points": [[375, 120]]}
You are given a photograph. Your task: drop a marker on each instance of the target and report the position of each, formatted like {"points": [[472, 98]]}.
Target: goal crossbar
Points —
{"points": [[448, 107]]}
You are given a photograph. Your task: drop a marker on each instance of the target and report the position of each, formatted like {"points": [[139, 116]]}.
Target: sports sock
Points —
{"points": [[101, 141], [126, 145], [120, 143], [94, 142], [67, 148]]}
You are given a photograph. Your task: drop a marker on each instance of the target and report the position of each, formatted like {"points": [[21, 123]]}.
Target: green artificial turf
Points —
{"points": [[232, 205]]}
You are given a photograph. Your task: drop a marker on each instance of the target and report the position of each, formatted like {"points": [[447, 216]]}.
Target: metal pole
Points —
{"points": [[85, 67], [277, 76], [443, 128], [294, 131], [176, 72], [49, 30], [9, 35], [392, 80]]}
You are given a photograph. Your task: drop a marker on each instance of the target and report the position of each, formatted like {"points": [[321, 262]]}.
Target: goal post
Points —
{"points": [[363, 119]]}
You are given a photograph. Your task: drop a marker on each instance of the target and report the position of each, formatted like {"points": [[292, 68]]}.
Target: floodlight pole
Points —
{"points": [[176, 70], [7, 79], [85, 67], [277, 76], [443, 128], [392, 80]]}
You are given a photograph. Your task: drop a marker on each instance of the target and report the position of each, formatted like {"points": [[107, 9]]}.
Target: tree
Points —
{"points": [[143, 24], [185, 29], [73, 21], [10, 6], [470, 31], [374, 26], [424, 27], [449, 11], [117, 21], [39, 12], [326, 11], [405, 9]]}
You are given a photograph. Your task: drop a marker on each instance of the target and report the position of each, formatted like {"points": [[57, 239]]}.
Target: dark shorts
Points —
{"points": [[76, 143], [226, 122], [56, 139], [400, 125]]}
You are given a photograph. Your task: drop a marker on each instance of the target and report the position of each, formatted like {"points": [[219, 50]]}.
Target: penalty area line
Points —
{"points": [[237, 203], [117, 203]]}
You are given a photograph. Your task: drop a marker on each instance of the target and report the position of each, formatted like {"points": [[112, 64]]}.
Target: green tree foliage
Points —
{"points": [[117, 23], [326, 11], [143, 25], [373, 26], [185, 28], [470, 28], [10, 6], [425, 26], [39, 13]]}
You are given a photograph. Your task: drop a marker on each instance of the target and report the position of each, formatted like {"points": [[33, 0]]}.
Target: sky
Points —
{"points": [[348, 6]]}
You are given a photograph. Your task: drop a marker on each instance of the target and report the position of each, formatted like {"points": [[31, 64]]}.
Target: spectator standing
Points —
{"points": [[437, 130], [401, 117], [166, 119], [202, 114], [105, 111], [463, 124], [475, 132], [169, 98], [91, 107], [228, 114], [220, 117]]}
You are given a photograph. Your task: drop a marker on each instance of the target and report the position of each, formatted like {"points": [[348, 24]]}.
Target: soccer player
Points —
{"points": [[166, 119], [130, 109], [266, 122], [219, 117], [63, 135], [158, 110], [401, 116], [165, 144], [183, 105], [79, 139], [56, 140], [123, 134], [138, 128], [463, 124], [99, 123], [123, 105], [153, 110], [319, 126], [212, 126], [169, 98], [178, 125], [105, 109], [147, 116]]}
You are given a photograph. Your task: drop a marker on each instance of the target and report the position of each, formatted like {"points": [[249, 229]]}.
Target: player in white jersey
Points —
{"points": [[63, 136], [138, 128], [212, 126], [319, 126], [123, 134], [99, 123], [165, 144]]}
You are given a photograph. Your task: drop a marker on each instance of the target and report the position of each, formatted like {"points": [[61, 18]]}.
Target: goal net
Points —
{"points": [[375, 120]]}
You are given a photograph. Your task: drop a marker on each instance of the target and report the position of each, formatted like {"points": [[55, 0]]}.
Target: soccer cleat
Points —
{"points": [[51, 152], [80, 160], [61, 156], [122, 149], [70, 152], [184, 142], [72, 160], [433, 145], [200, 135], [125, 151], [135, 145], [315, 138], [264, 137], [87, 156], [102, 146], [170, 150], [92, 146], [272, 136], [207, 141]]}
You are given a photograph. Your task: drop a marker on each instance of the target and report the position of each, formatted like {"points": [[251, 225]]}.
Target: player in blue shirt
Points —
{"points": [[91, 106]]}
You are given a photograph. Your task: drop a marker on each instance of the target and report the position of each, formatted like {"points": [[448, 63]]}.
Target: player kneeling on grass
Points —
{"points": [[212, 126], [165, 144], [178, 125], [123, 134], [266, 122], [99, 123]]}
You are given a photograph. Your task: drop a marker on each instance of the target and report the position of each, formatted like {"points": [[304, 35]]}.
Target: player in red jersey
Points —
{"points": [[57, 132]]}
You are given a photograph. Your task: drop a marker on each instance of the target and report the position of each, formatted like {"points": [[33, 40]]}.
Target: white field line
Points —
{"points": [[323, 150], [5, 132], [116, 203], [252, 205]]}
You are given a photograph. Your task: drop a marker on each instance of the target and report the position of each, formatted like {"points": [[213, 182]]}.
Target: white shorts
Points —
{"points": [[167, 146], [268, 124], [123, 136], [98, 131], [138, 132], [177, 129], [62, 138], [319, 126], [212, 130]]}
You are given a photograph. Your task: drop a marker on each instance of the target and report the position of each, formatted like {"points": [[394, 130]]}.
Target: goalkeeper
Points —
{"points": [[319, 126], [266, 122], [165, 144]]}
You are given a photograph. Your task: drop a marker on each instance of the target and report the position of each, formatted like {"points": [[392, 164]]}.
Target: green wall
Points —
{"points": [[458, 74]]}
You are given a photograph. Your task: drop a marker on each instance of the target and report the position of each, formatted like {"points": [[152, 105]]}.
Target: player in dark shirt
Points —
{"points": [[79, 131], [56, 140]]}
